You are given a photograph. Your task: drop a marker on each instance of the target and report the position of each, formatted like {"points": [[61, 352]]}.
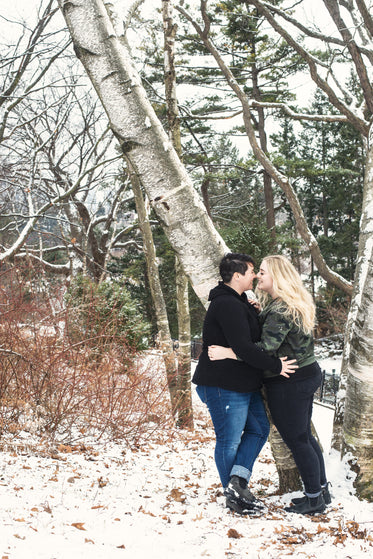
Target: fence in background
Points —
{"points": [[327, 393]]}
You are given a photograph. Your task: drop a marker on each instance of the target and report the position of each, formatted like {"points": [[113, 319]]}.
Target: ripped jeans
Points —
{"points": [[241, 428]]}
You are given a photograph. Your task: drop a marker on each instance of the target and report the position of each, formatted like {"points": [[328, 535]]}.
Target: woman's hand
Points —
{"points": [[255, 304], [288, 366], [217, 352]]}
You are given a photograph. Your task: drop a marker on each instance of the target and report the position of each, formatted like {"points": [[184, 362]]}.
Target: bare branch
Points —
{"points": [[64, 269], [312, 62], [132, 10], [333, 8], [284, 183], [312, 32]]}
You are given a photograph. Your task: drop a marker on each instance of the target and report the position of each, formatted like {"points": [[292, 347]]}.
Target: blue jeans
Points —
{"points": [[241, 428], [290, 405]]}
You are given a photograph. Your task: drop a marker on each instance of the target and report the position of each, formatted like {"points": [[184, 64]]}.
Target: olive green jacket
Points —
{"points": [[281, 337]]}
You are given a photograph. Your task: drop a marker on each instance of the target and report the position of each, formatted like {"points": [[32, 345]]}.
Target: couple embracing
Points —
{"points": [[244, 349]]}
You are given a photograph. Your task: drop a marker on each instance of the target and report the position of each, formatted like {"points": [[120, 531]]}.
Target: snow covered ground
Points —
{"points": [[163, 500]]}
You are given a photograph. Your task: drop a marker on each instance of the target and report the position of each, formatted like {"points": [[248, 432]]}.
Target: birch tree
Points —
{"points": [[185, 408], [144, 142]]}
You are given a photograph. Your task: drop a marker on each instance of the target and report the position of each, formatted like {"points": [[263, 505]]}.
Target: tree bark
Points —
{"points": [[287, 471], [288, 475], [144, 142], [185, 409], [358, 355], [165, 341], [267, 180]]}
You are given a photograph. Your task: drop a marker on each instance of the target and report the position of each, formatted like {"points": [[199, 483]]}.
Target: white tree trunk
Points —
{"points": [[358, 356], [182, 284], [144, 142]]}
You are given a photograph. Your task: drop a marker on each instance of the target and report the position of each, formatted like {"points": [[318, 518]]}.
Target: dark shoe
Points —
{"points": [[311, 505], [324, 491], [237, 490], [239, 507]]}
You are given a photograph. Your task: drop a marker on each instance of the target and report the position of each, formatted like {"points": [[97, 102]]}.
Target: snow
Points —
{"points": [[162, 499]]}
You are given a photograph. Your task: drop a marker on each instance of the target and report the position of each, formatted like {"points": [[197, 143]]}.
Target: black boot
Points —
{"points": [[311, 505], [237, 490], [238, 506], [324, 491]]}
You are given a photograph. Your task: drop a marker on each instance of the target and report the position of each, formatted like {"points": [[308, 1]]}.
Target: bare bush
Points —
{"points": [[71, 389]]}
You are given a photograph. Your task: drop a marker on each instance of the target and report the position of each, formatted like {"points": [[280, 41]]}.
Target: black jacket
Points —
{"points": [[232, 322]]}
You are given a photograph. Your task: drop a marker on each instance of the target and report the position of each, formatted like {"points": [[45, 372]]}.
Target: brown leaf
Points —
{"points": [[232, 533], [64, 448], [78, 525], [177, 495]]}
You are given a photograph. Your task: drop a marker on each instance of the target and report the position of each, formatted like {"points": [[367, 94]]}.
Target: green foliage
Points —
{"points": [[250, 238], [331, 310], [326, 162], [106, 307]]}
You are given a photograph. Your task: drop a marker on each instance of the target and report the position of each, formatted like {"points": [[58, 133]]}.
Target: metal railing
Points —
{"points": [[327, 393]]}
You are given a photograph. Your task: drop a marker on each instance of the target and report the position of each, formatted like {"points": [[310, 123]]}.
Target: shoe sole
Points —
{"points": [[242, 509], [299, 500], [310, 513], [234, 496]]}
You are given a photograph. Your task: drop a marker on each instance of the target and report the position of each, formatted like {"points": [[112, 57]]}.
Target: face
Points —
{"points": [[265, 281], [246, 280]]}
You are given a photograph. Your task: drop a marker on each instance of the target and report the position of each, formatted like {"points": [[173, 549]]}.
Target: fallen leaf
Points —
{"points": [[47, 508], [64, 448], [232, 533], [78, 525], [177, 495]]}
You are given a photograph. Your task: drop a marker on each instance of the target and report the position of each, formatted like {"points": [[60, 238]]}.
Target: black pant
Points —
{"points": [[290, 404]]}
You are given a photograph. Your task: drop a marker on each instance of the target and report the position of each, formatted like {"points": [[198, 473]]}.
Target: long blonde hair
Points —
{"points": [[288, 287]]}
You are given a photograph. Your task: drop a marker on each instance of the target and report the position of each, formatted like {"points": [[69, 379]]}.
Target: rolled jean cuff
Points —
{"points": [[241, 471]]}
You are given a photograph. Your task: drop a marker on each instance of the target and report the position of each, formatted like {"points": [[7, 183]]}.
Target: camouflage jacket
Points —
{"points": [[281, 337]]}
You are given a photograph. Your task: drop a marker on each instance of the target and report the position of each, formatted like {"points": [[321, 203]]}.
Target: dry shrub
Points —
{"points": [[73, 390]]}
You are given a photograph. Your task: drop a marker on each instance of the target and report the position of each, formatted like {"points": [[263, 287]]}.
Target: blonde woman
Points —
{"points": [[287, 321]]}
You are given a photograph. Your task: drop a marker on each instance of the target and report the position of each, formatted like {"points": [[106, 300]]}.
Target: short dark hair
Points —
{"points": [[234, 262]]}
